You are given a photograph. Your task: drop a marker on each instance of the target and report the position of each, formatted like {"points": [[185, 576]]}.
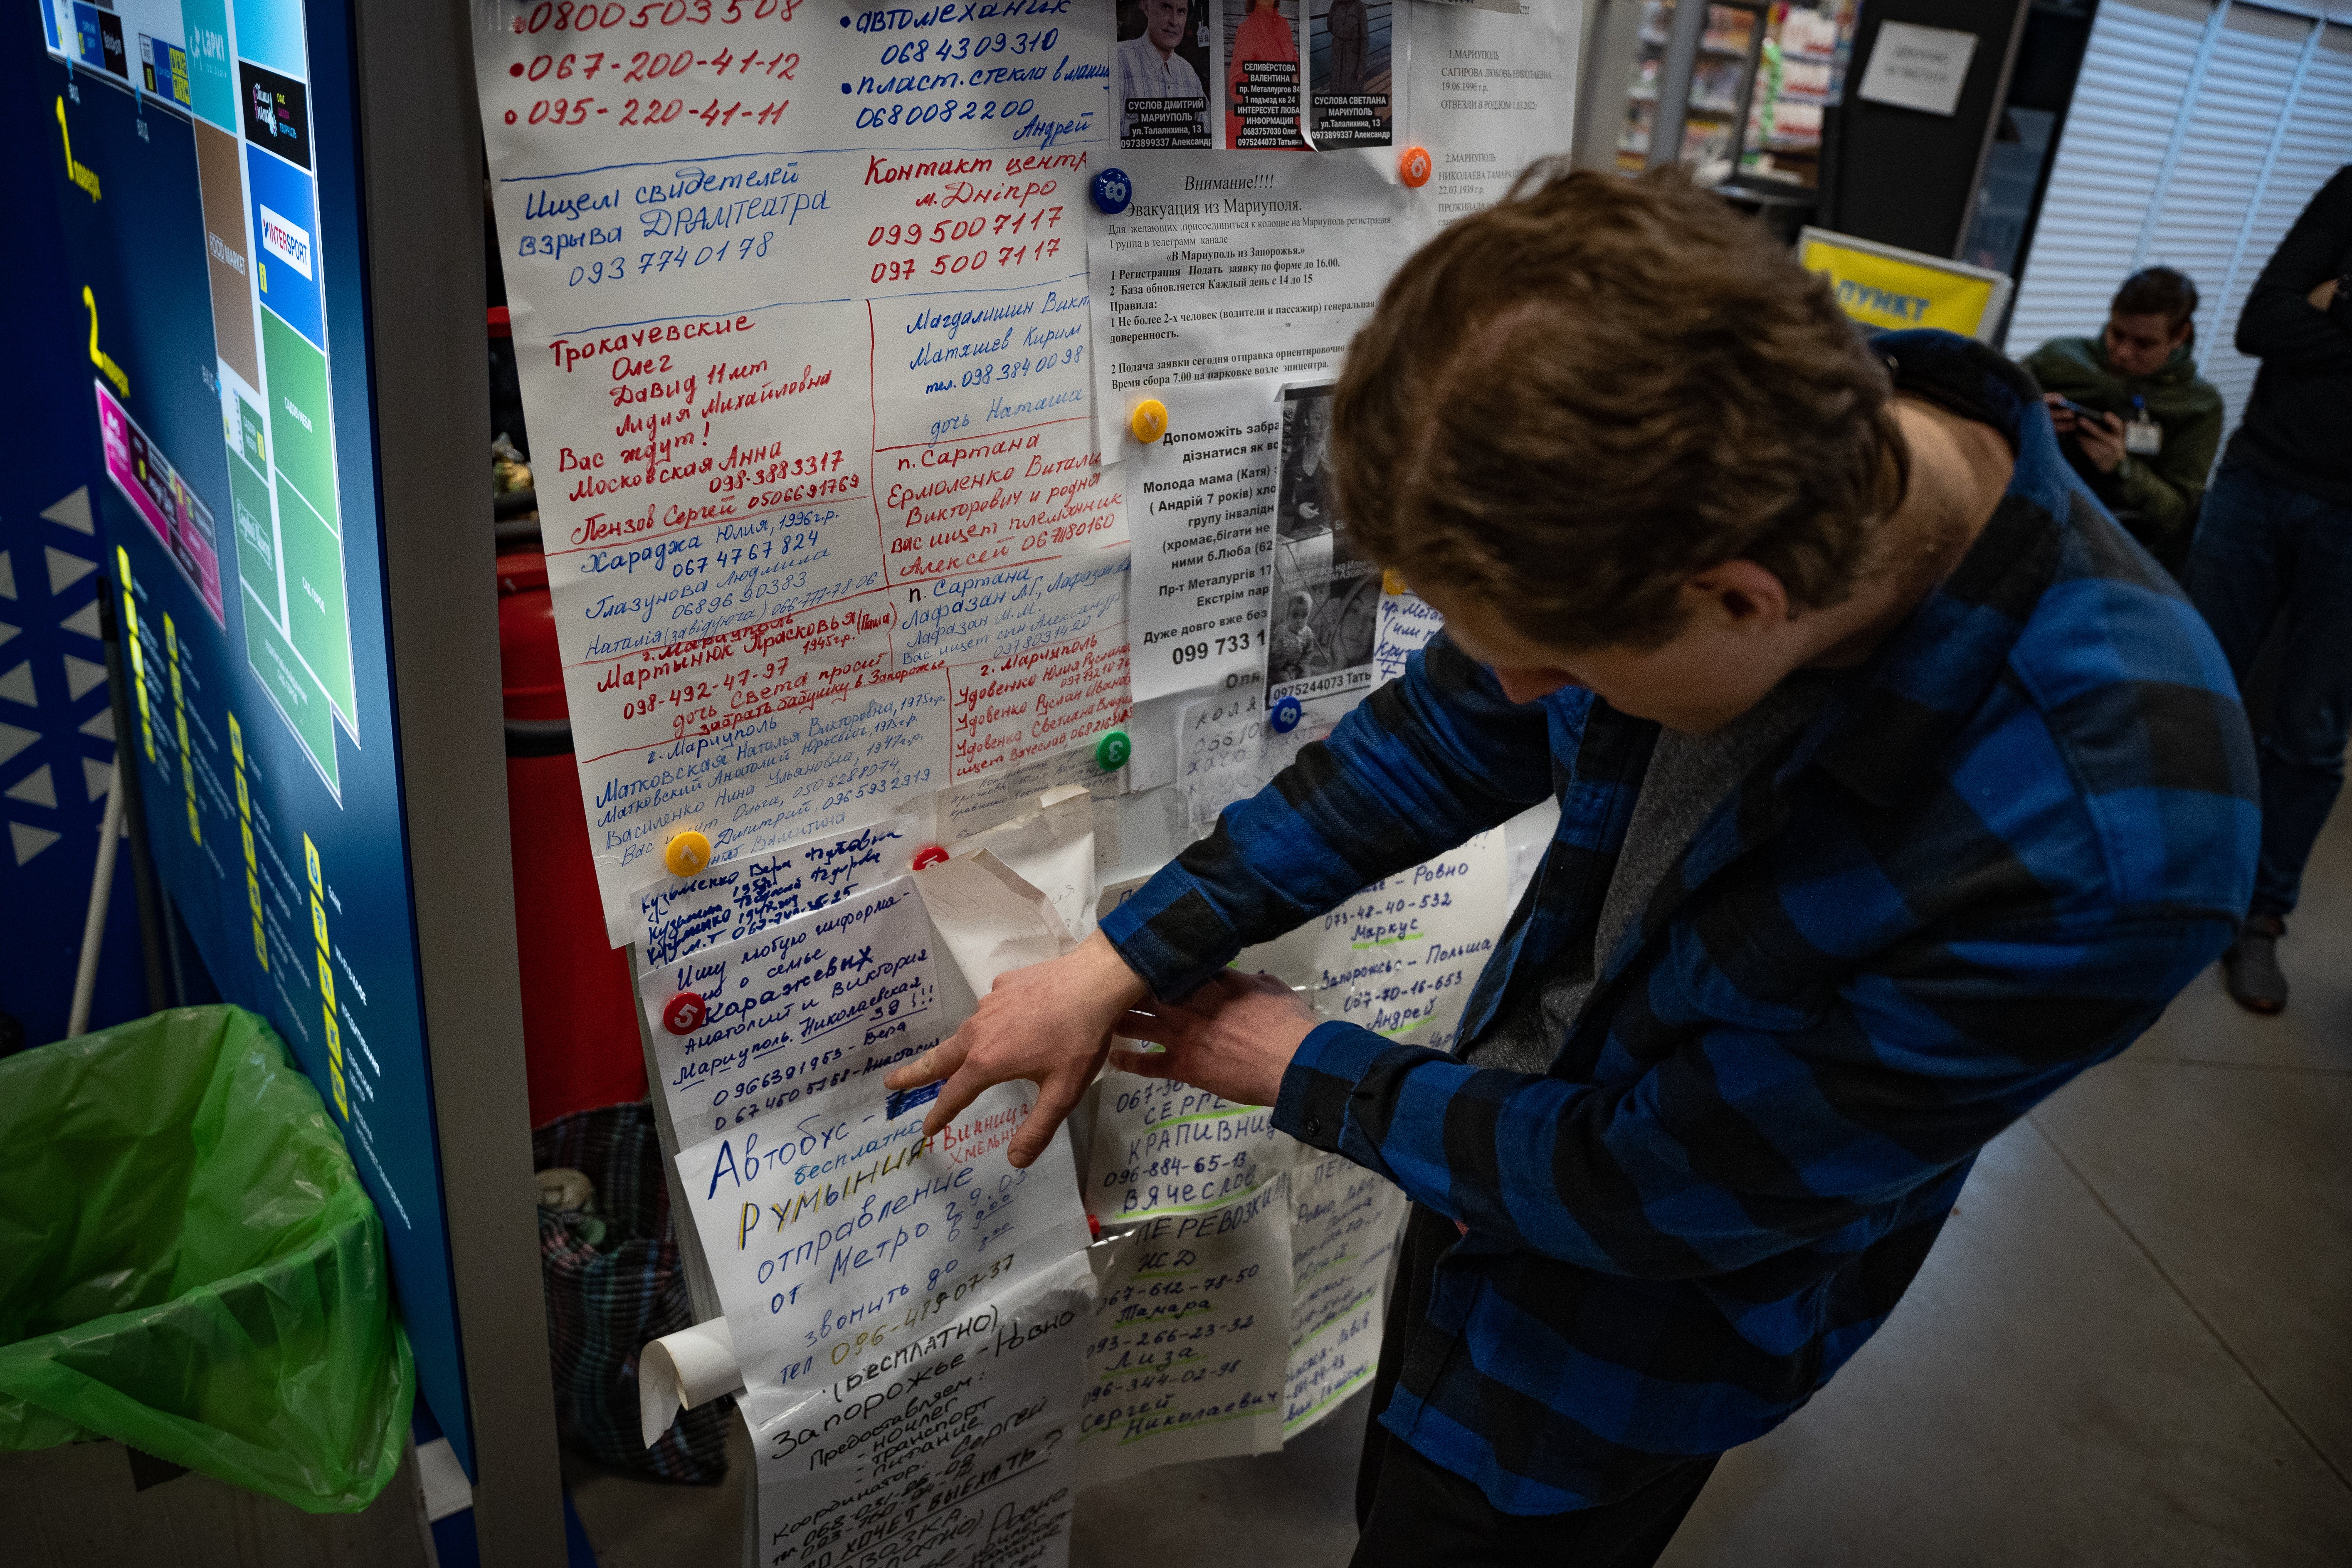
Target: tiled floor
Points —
{"points": [[2131, 1345]]}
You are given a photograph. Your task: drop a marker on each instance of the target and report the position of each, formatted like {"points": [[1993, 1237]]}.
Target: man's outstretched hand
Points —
{"points": [[1234, 1037], [1049, 1023]]}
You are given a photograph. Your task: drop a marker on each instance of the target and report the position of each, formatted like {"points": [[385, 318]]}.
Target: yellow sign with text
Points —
{"points": [[1882, 291]]}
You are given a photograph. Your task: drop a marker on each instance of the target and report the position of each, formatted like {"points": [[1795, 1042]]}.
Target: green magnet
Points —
{"points": [[1111, 750]]}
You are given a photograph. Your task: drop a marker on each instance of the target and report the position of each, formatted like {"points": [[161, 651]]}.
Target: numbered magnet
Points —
{"points": [[1414, 167], [686, 853], [1285, 715], [683, 1014], [1149, 421], [1112, 751], [1112, 190], [929, 856]]}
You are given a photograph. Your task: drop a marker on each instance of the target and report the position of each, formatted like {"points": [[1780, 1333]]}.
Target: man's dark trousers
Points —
{"points": [[1414, 1514], [2266, 551]]}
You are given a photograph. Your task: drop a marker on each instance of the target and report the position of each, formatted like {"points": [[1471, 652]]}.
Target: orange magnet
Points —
{"points": [[688, 853], [1414, 167], [1149, 421]]}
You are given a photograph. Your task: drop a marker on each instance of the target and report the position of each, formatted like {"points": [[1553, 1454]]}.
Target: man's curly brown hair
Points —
{"points": [[1569, 403]]}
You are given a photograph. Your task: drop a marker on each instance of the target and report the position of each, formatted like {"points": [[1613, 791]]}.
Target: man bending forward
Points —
{"points": [[1896, 785]]}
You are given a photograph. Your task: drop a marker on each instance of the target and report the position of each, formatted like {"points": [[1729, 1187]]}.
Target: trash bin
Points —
{"points": [[189, 1266]]}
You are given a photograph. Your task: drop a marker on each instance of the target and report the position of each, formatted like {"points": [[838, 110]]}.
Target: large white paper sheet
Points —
{"points": [[740, 897], [1052, 848], [1490, 93], [843, 1229], [823, 1000], [1344, 1224], [954, 1445], [801, 315], [1186, 1359], [989, 920]]}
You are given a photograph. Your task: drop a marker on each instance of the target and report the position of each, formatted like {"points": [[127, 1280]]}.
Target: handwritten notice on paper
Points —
{"points": [[803, 326], [740, 897], [1407, 622], [1220, 752], [999, 796], [843, 1229], [953, 1445], [1344, 1223], [821, 1001], [1399, 957], [1165, 1148], [1186, 1359]]}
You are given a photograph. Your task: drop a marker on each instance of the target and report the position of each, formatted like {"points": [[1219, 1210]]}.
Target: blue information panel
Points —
{"points": [[206, 165]]}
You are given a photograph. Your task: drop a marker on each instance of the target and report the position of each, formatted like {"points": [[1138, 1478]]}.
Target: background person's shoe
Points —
{"points": [[2251, 968]]}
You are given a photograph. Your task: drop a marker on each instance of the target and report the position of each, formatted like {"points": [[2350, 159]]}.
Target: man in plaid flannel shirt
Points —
{"points": [[1896, 787]]}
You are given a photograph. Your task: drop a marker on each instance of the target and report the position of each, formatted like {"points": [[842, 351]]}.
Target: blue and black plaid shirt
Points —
{"points": [[2007, 842]]}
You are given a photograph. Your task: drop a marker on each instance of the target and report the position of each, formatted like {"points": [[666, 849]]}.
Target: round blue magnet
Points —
{"points": [[1112, 191], [1286, 715]]}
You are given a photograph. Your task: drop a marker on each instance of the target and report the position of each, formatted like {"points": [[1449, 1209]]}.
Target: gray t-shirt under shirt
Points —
{"points": [[1689, 776]]}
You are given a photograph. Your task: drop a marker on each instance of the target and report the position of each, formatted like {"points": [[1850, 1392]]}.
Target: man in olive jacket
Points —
{"points": [[2148, 454]]}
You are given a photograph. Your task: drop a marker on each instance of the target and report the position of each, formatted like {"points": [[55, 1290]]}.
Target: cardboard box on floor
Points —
{"points": [[84, 1503]]}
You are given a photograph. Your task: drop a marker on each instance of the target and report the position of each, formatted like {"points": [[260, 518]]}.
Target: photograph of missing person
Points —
{"points": [[1261, 76], [1327, 594], [1164, 74], [1348, 72]]}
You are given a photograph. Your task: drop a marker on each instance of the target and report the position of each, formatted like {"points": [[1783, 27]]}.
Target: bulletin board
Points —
{"points": [[929, 410]]}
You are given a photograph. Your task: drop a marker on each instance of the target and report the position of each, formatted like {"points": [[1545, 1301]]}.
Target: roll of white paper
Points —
{"points": [[681, 1371]]}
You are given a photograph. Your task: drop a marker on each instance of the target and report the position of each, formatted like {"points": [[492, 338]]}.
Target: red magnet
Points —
{"points": [[929, 856], [683, 1014]]}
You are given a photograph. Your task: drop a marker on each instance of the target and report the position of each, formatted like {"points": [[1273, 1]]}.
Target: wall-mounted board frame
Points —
{"points": [[272, 219]]}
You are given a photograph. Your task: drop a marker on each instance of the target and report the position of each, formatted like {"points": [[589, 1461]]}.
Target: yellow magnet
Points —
{"points": [[1149, 420], [1392, 581], [688, 853]]}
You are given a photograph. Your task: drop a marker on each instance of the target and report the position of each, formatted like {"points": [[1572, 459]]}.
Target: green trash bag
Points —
{"points": [[189, 1264]]}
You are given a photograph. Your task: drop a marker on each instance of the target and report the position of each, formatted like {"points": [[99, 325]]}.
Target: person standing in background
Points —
{"points": [[2147, 453], [2274, 544], [1351, 30]]}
